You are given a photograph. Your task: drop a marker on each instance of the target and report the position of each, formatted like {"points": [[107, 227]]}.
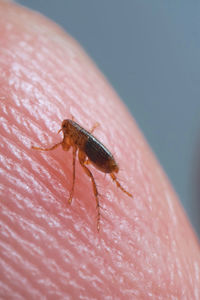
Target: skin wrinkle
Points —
{"points": [[45, 77], [37, 268]]}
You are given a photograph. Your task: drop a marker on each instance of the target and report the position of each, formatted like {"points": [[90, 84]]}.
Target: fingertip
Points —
{"points": [[48, 77]]}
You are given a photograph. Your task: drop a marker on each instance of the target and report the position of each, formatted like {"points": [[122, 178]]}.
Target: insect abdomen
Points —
{"points": [[100, 156]]}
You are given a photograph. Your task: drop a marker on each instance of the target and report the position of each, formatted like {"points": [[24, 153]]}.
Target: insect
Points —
{"points": [[90, 151]]}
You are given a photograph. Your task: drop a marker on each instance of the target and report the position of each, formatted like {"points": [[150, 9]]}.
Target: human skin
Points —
{"points": [[145, 249]]}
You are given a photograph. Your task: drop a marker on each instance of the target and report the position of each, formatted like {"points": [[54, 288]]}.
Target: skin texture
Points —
{"points": [[145, 249]]}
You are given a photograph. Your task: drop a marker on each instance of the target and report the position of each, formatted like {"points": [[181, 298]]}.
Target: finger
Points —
{"points": [[145, 246]]}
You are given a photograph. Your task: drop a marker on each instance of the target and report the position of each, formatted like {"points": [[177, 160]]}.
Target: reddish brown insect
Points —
{"points": [[90, 150]]}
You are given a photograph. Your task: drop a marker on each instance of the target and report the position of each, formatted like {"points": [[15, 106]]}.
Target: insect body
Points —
{"points": [[90, 150]]}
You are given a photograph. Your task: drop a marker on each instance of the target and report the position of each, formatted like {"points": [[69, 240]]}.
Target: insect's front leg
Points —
{"points": [[47, 149], [66, 143]]}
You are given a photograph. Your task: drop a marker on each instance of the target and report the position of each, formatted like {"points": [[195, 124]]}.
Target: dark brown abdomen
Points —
{"points": [[100, 156]]}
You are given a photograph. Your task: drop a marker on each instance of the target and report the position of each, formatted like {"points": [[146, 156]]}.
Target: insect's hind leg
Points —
{"points": [[82, 159], [114, 178]]}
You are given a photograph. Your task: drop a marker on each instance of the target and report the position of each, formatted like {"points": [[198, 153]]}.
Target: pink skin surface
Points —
{"points": [[49, 249]]}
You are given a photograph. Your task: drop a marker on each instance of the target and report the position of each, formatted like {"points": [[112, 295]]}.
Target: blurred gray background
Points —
{"points": [[150, 52]]}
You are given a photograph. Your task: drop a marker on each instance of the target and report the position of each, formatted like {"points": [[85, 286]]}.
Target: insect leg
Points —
{"points": [[82, 158], [94, 127], [114, 178], [47, 149], [73, 182]]}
